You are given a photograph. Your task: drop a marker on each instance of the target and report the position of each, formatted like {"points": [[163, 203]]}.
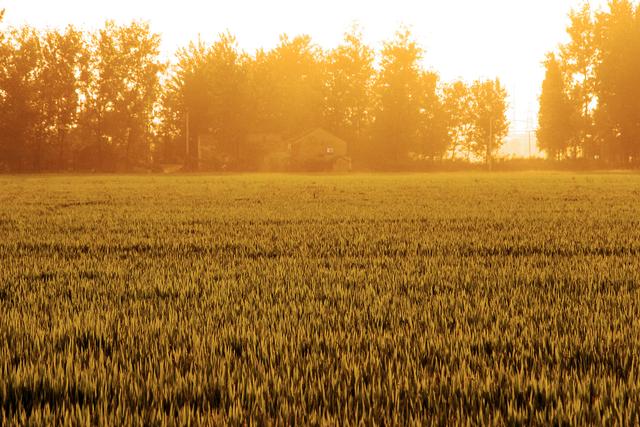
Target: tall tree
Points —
{"points": [[398, 115], [433, 136], [186, 101], [298, 65], [617, 89], [490, 123], [263, 93], [458, 110], [208, 91], [578, 60], [122, 95], [556, 117], [20, 107], [228, 90], [65, 62], [350, 75]]}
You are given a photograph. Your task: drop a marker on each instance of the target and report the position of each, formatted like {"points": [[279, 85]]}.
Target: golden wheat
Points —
{"points": [[277, 300]]}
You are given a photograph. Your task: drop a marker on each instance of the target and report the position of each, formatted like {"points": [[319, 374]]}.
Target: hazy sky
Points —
{"points": [[465, 39]]}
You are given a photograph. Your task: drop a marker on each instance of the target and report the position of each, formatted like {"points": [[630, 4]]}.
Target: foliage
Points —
{"points": [[20, 89], [397, 89], [349, 83], [433, 133], [489, 123], [578, 60], [458, 108], [209, 84], [556, 119], [618, 88], [104, 101], [122, 92], [72, 101], [65, 67], [601, 66]]}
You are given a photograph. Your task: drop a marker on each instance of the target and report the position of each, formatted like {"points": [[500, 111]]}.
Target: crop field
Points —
{"points": [[320, 300]]}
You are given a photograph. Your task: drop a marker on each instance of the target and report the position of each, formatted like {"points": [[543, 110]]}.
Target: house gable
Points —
{"points": [[317, 144]]}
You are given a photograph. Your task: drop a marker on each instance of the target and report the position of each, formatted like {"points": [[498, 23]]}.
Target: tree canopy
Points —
{"points": [[597, 71], [105, 101]]}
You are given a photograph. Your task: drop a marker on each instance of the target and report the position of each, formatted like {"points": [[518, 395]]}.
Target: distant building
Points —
{"points": [[319, 150], [316, 150]]}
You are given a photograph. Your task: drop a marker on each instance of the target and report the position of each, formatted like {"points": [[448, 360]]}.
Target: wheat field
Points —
{"points": [[320, 300]]}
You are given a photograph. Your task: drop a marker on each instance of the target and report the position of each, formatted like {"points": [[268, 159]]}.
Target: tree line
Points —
{"points": [[590, 101], [105, 101]]}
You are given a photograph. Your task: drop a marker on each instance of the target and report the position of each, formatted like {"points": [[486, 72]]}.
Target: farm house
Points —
{"points": [[317, 150]]}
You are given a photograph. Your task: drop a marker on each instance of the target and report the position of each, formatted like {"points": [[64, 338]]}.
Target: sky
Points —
{"points": [[463, 39]]}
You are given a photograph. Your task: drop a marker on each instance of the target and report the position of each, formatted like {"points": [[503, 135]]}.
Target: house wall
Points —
{"points": [[318, 150], [318, 145]]}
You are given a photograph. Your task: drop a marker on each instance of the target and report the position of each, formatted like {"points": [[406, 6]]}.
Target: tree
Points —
{"points": [[228, 90], [578, 61], [263, 94], [433, 136], [209, 84], [458, 110], [617, 88], [41, 74], [298, 65], [398, 110], [65, 61], [350, 73], [122, 94], [601, 63], [490, 124], [186, 101], [20, 106], [556, 131]]}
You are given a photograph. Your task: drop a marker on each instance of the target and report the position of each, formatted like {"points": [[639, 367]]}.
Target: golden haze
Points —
{"points": [[466, 39]]}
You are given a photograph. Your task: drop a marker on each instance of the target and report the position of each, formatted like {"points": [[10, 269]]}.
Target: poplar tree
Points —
{"points": [[122, 95], [618, 81], [578, 60], [489, 118], [348, 96], [556, 116], [63, 80], [398, 109], [458, 110], [21, 122]]}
